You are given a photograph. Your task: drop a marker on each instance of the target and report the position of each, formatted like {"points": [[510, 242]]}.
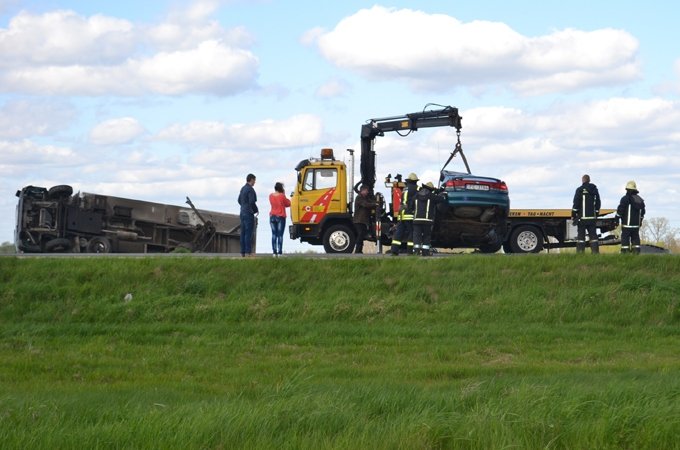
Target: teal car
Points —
{"points": [[475, 214]]}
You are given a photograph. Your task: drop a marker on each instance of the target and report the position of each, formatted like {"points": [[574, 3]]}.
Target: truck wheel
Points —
{"points": [[99, 245], [58, 245], [60, 191], [526, 239], [338, 239]]}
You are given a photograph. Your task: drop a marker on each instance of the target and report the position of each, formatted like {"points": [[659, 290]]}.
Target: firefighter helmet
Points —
{"points": [[412, 177], [631, 185], [429, 185]]}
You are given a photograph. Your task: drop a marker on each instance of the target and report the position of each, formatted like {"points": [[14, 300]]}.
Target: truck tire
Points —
{"points": [[526, 239], [338, 239], [59, 191], [58, 245], [99, 244]]}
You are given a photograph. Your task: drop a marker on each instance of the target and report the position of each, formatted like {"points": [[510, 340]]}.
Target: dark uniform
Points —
{"points": [[424, 205], [585, 211], [362, 217], [404, 231], [631, 211]]}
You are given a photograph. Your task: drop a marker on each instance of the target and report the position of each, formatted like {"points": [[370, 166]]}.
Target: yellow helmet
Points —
{"points": [[429, 185], [631, 185], [412, 177]]}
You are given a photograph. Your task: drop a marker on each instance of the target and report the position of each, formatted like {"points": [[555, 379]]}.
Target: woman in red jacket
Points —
{"points": [[277, 217]]}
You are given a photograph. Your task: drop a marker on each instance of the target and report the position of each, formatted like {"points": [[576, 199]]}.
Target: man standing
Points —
{"points": [[248, 201], [404, 230], [362, 217], [424, 204], [585, 211], [631, 210]]}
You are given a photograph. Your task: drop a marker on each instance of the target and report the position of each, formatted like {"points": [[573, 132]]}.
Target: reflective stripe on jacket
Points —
{"points": [[586, 201], [631, 210]]}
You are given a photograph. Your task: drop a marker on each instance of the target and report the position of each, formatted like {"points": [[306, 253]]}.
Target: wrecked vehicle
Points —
{"points": [[55, 220]]}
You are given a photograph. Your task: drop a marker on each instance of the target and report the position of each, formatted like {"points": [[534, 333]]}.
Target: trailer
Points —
{"points": [[532, 230], [55, 220]]}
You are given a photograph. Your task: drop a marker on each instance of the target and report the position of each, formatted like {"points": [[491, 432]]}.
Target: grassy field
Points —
{"points": [[467, 351]]}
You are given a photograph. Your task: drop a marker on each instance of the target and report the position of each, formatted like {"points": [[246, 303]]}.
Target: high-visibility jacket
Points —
{"points": [[424, 204], [631, 210], [406, 210], [586, 202]]}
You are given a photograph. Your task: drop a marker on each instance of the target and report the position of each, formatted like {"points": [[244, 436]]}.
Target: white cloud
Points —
{"points": [[65, 38], [118, 131], [26, 152], [438, 52], [27, 118], [63, 53], [296, 131]]}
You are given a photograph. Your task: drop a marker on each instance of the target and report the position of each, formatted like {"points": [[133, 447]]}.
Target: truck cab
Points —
{"points": [[321, 209]]}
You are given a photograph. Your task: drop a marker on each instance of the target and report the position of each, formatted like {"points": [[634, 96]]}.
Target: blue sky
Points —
{"points": [[164, 99]]}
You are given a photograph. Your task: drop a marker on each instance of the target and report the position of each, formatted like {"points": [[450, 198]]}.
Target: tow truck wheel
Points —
{"points": [[99, 245], [338, 239], [526, 239]]}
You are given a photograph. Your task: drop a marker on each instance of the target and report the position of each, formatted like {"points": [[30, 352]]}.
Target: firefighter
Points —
{"points": [[424, 204], [631, 211], [363, 205], [404, 231], [584, 212]]}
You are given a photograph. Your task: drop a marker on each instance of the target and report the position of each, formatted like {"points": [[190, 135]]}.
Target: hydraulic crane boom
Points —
{"points": [[444, 117]]}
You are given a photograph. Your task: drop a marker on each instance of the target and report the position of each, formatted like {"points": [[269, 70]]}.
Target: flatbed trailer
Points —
{"points": [[532, 230]]}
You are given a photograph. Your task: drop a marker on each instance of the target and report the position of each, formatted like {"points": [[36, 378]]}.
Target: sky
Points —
{"points": [[161, 100]]}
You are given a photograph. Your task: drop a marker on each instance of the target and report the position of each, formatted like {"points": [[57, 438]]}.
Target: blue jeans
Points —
{"points": [[247, 229], [278, 225]]}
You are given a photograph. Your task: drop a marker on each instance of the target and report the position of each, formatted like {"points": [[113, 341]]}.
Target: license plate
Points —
{"points": [[477, 187]]}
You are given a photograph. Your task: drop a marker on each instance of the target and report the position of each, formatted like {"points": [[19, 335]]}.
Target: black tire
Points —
{"points": [[339, 239], [526, 239], [490, 248], [58, 245], [99, 244], [60, 191]]}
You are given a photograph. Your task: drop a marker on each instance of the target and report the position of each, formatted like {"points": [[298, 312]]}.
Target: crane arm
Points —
{"points": [[444, 117]]}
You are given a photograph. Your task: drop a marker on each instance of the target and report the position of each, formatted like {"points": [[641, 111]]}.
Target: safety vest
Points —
{"points": [[406, 213]]}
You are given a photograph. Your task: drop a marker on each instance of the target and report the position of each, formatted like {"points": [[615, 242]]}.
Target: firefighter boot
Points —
{"points": [[624, 250], [636, 250], [595, 247], [580, 247], [394, 249]]}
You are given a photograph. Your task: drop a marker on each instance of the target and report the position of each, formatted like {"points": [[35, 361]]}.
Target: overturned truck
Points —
{"points": [[55, 220]]}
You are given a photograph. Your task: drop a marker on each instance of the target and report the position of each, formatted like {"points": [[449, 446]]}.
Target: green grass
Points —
{"points": [[468, 351]]}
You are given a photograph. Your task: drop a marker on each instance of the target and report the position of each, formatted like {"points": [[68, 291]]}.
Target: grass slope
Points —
{"points": [[469, 351]]}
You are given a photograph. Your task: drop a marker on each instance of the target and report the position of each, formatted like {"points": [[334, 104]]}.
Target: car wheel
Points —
{"points": [[338, 239], [60, 191], [526, 239], [58, 245], [99, 245], [490, 248]]}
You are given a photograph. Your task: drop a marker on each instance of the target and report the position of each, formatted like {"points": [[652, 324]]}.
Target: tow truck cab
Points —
{"points": [[321, 209]]}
